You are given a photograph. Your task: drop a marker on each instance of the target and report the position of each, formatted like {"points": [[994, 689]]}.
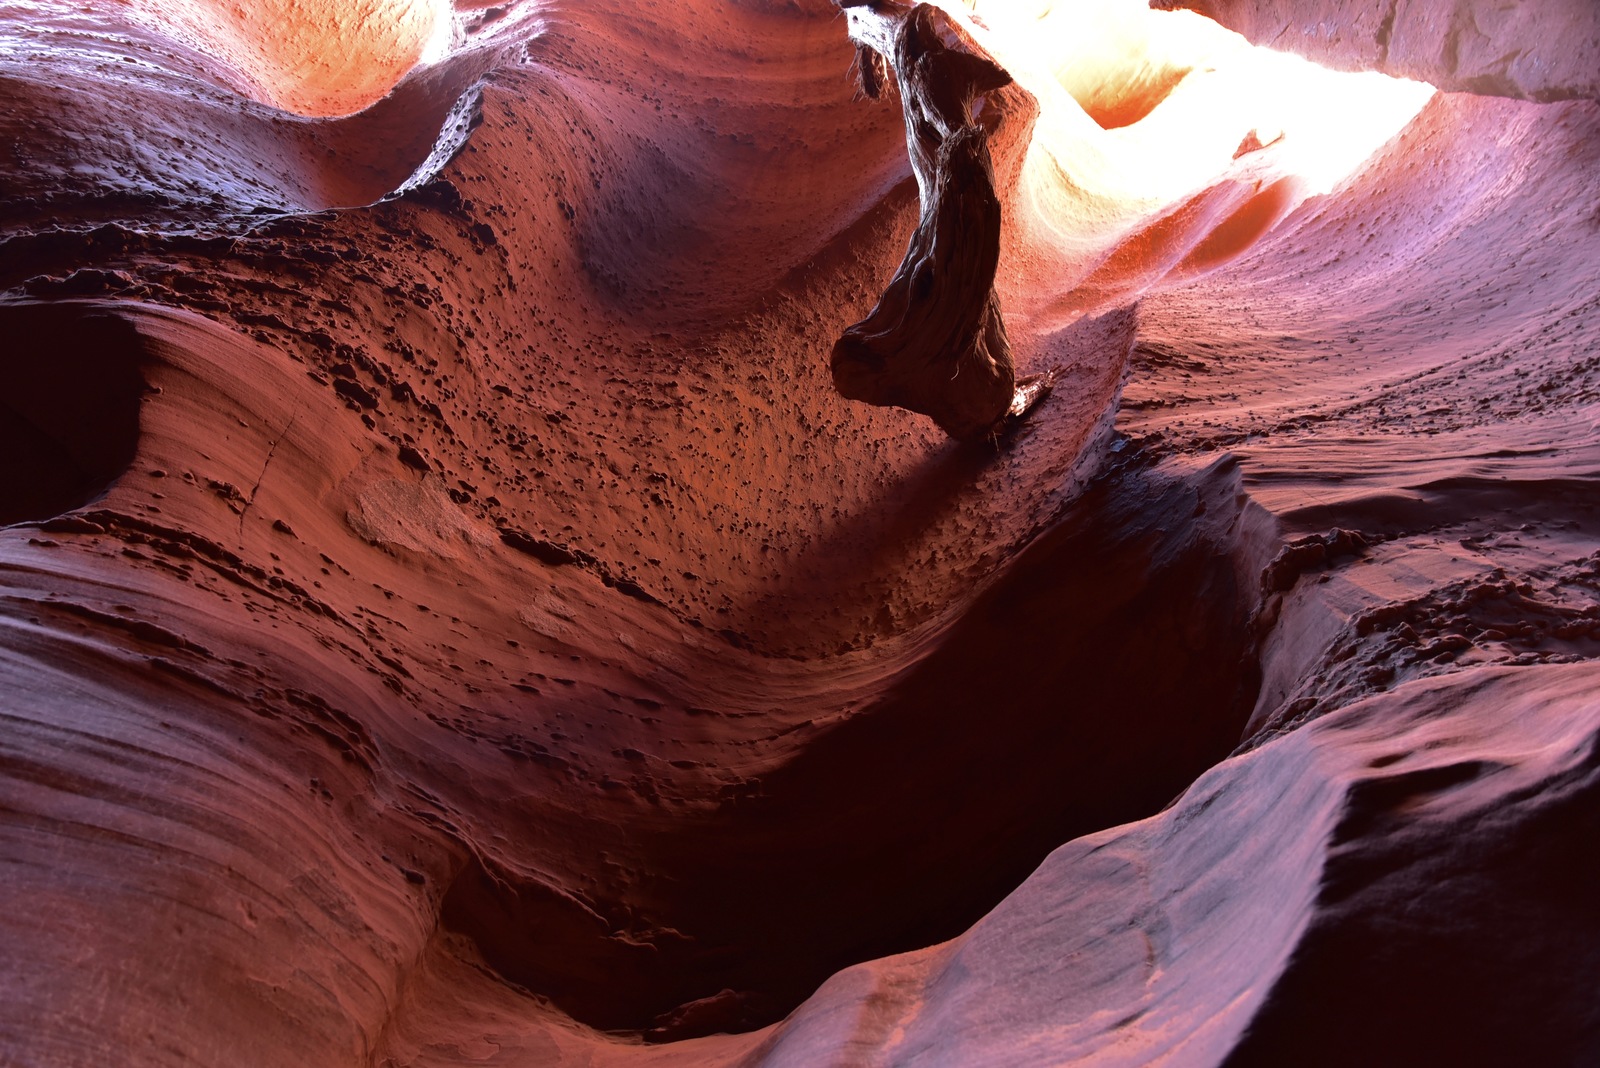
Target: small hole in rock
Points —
{"points": [[69, 412]]}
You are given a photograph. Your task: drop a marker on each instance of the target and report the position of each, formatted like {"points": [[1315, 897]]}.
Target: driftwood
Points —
{"points": [[935, 342]]}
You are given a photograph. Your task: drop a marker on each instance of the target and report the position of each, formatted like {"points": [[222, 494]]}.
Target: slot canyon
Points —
{"points": [[790, 533]]}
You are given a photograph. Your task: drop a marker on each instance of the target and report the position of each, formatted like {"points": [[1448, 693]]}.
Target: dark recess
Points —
{"points": [[1109, 668], [69, 410]]}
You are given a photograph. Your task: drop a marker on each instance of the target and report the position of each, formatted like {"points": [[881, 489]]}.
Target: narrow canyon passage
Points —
{"points": [[450, 617]]}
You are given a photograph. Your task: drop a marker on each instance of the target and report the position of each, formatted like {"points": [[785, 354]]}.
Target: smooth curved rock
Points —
{"points": [[463, 624]]}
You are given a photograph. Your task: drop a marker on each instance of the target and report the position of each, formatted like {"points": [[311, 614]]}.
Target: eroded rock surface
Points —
{"points": [[1538, 50], [448, 616]]}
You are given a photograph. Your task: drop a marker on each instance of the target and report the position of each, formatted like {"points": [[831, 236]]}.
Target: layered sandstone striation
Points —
{"points": [[450, 616]]}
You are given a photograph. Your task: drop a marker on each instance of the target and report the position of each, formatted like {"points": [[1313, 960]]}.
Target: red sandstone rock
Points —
{"points": [[1544, 50], [449, 617]]}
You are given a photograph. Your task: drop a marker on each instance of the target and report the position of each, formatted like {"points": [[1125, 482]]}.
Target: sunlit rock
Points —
{"points": [[449, 616]]}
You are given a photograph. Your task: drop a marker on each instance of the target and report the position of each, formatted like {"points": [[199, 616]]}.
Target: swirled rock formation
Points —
{"points": [[449, 617]]}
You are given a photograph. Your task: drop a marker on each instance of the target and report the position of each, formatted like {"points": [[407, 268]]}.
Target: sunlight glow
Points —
{"points": [[440, 39], [308, 57], [1166, 145]]}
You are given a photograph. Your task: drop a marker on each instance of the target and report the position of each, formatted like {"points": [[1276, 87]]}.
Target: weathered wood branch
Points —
{"points": [[935, 343]]}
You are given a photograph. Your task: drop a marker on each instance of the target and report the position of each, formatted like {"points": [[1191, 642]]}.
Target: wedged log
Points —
{"points": [[935, 343]]}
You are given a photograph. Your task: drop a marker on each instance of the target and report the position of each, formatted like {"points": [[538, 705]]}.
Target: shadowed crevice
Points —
{"points": [[902, 825], [69, 413]]}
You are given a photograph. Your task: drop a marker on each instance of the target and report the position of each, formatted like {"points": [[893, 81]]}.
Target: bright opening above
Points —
{"points": [[1165, 145], [319, 58]]}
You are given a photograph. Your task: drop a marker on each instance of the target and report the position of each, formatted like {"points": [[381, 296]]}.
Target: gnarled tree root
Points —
{"points": [[935, 343]]}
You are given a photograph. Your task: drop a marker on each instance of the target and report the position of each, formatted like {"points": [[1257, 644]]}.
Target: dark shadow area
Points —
{"points": [[69, 412], [1469, 938], [1110, 666]]}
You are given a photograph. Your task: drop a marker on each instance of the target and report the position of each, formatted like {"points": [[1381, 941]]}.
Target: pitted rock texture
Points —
{"points": [[448, 617]]}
